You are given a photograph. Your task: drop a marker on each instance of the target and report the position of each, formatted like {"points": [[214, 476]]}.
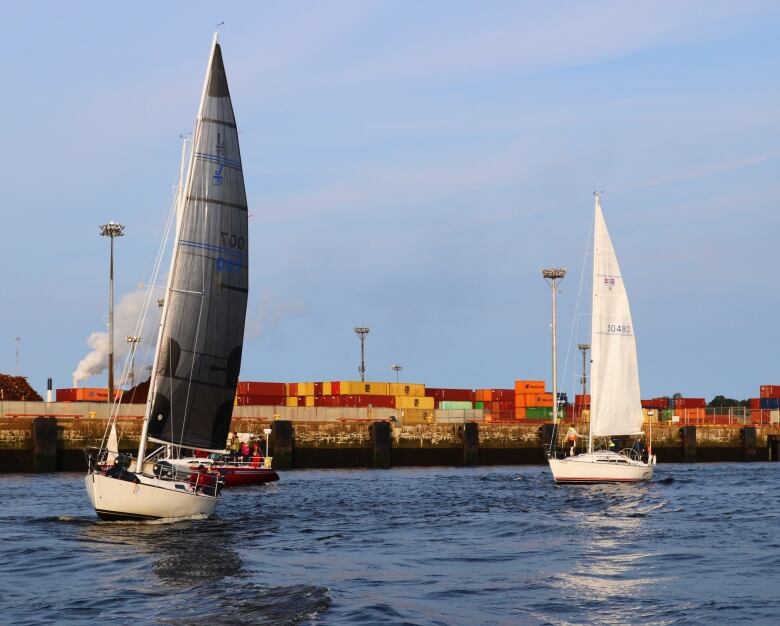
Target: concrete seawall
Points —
{"points": [[36, 436]]}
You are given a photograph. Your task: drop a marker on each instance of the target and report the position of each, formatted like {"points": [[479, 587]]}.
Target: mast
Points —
{"points": [[592, 297], [166, 300]]}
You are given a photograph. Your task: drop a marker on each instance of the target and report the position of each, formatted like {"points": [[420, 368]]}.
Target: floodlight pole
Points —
{"points": [[17, 340], [362, 331], [111, 230], [396, 369], [552, 276], [584, 347], [133, 341]]}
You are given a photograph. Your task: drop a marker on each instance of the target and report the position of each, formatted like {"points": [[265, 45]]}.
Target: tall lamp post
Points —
{"points": [[553, 275], [584, 347], [17, 340], [111, 230], [396, 369], [362, 331], [133, 341]]}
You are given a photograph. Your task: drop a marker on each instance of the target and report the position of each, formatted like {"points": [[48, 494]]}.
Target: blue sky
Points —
{"points": [[410, 167]]}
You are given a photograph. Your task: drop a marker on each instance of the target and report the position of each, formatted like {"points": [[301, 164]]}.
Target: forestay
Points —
{"points": [[615, 405], [199, 356]]}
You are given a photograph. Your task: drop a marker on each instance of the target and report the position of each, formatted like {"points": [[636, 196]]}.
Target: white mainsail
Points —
{"points": [[615, 405]]}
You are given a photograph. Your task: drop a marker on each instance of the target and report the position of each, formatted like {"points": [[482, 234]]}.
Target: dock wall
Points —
{"points": [[37, 436]]}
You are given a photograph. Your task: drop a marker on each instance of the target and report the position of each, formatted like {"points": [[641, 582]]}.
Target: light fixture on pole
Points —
{"points": [[362, 331], [396, 369], [584, 347], [133, 341], [552, 275], [267, 433], [18, 341], [111, 230]]}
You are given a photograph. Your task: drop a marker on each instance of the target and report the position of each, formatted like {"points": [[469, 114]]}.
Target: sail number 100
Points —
{"points": [[231, 240]]}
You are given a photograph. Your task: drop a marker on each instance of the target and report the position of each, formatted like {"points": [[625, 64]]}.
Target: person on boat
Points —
{"points": [[119, 470], [256, 456], [245, 451], [571, 439], [235, 446], [204, 480]]}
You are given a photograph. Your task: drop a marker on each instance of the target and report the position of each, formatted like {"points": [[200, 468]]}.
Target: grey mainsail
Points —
{"points": [[199, 354]]}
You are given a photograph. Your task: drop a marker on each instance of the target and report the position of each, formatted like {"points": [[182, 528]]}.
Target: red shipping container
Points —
{"points": [[335, 387], [498, 395], [292, 389], [582, 400], [755, 403], [690, 403], [255, 400], [66, 395], [317, 389], [769, 391], [455, 395], [249, 388]]}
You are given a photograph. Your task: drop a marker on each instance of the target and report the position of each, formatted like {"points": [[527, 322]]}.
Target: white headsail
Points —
{"points": [[615, 405]]}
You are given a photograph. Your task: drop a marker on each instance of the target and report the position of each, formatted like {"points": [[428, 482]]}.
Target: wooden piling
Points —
{"points": [[381, 434], [470, 435], [282, 444], [548, 437], [44, 440], [773, 447], [688, 443], [748, 436]]}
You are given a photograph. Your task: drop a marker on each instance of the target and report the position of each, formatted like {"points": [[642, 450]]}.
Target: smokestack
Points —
{"points": [[48, 390]]}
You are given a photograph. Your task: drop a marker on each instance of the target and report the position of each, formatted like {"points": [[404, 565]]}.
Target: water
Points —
{"points": [[406, 546]]}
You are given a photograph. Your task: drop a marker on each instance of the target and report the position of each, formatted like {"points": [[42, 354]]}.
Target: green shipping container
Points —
{"points": [[665, 415], [455, 405], [479, 405], [538, 413]]}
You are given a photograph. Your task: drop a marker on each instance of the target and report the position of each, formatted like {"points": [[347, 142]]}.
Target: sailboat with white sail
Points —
{"points": [[198, 355], [615, 408]]}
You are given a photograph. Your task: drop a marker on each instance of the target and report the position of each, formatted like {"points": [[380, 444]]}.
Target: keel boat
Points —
{"points": [[198, 354], [615, 408]]}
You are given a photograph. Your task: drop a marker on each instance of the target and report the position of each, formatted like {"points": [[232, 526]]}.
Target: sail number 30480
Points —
{"points": [[620, 329], [232, 241]]}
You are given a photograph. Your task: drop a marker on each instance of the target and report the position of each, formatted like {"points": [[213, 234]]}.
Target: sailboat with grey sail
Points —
{"points": [[198, 354]]}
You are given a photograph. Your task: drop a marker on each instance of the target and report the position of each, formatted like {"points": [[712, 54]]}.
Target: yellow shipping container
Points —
{"points": [[414, 402], [309, 400], [306, 389], [291, 401], [326, 388], [357, 388], [651, 415], [406, 389], [416, 416]]}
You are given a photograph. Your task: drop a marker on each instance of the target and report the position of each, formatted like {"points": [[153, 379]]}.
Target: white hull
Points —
{"points": [[600, 467], [152, 498]]}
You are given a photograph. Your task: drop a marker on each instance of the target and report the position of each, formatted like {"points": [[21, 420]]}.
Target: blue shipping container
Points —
{"points": [[770, 403]]}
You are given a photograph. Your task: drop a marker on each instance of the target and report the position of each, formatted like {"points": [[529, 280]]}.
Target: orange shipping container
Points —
{"points": [[520, 400], [529, 386], [519, 412], [538, 399]]}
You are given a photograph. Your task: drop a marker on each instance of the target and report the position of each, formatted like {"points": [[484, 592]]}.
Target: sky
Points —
{"points": [[409, 167]]}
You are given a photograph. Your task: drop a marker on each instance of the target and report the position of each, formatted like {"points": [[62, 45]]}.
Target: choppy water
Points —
{"points": [[406, 546]]}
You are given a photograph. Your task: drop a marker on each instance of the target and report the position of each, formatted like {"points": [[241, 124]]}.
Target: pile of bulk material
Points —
{"points": [[17, 388]]}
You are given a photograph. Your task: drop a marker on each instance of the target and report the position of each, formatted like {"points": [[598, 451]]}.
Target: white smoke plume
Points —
{"points": [[126, 315]]}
